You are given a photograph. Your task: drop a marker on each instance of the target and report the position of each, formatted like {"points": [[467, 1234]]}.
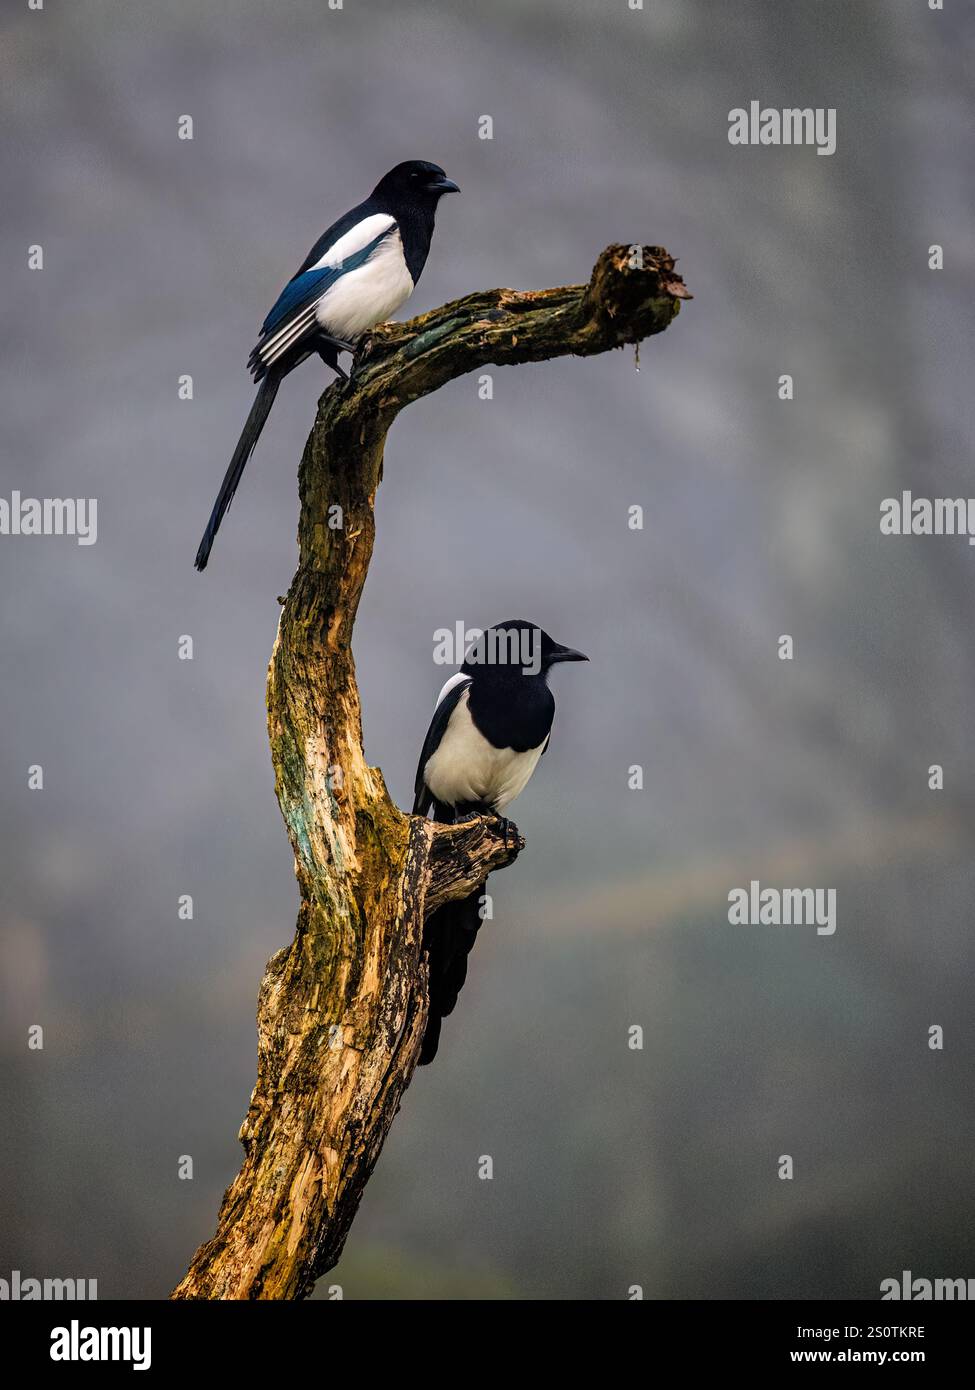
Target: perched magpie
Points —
{"points": [[492, 723], [358, 273]]}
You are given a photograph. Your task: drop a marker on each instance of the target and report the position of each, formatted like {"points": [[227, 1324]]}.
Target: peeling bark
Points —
{"points": [[342, 1010]]}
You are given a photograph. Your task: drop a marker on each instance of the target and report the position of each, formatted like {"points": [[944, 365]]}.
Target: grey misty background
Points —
{"points": [[612, 1167]]}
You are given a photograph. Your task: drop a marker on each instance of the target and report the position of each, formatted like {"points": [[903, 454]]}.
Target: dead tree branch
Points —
{"points": [[342, 1009]]}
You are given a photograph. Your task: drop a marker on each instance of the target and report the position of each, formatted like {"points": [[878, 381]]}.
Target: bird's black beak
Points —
{"points": [[443, 185], [566, 654]]}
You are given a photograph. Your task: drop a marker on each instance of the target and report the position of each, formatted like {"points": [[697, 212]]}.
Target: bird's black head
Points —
{"points": [[417, 183], [515, 648]]}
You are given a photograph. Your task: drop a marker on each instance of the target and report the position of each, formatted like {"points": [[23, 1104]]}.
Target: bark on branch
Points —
{"points": [[342, 1010]]}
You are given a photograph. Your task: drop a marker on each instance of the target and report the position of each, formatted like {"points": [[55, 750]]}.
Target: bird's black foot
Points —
{"points": [[508, 832], [328, 350], [505, 828]]}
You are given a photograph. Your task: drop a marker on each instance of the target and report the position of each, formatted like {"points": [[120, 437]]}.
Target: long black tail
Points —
{"points": [[251, 433], [448, 936]]}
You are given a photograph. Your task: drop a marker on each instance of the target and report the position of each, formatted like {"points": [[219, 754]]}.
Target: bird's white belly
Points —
{"points": [[465, 767], [369, 294]]}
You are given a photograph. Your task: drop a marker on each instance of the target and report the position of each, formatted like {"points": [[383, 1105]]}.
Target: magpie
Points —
{"points": [[358, 273], [492, 723]]}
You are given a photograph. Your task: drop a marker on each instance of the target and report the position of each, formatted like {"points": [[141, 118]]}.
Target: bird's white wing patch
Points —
{"points": [[355, 239], [454, 680], [368, 294], [358, 297]]}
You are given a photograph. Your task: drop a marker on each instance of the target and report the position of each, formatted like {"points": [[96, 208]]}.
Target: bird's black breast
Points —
{"points": [[416, 232], [516, 713]]}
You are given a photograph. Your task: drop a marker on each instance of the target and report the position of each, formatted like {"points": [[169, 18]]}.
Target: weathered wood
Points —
{"points": [[342, 1009]]}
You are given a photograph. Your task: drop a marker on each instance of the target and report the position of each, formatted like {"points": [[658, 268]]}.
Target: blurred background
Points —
{"points": [[612, 1167]]}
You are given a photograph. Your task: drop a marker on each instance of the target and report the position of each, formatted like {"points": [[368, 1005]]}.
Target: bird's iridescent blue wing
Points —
{"points": [[293, 321]]}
